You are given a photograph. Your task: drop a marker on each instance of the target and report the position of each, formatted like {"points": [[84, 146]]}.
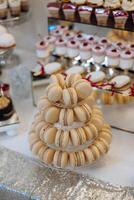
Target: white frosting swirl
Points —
{"points": [[112, 4], [14, 3], [97, 2], [3, 4], [128, 5]]}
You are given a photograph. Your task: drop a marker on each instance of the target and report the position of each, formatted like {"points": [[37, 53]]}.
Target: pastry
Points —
{"points": [[69, 11], [97, 76], [114, 4], [15, 7], [83, 113], [62, 138], [53, 68], [79, 37], [89, 155], [75, 70], [59, 79], [95, 3], [70, 96], [122, 99], [81, 160], [7, 41], [107, 98], [66, 117], [120, 18], [113, 57], [53, 9], [3, 9], [68, 36], [98, 54], [60, 47], [83, 88], [44, 103], [104, 42], [126, 59], [6, 108], [102, 15], [51, 41], [71, 79], [121, 81], [60, 159], [48, 156], [72, 49], [54, 92], [57, 33], [42, 50], [24, 5], [85, 13], [49, 135], [91, 39], [62, 28], [85, 51], [79, 2], [51, 114], [128, 5]]}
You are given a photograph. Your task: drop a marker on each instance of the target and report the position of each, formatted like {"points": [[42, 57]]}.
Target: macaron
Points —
{"points": [[101, 146], [48, 156], [51, 114], [36, 147], [60, 159], [74, 137], [93, 129], [97, 111], [39, 127], [89, 133], [42, 131], [87, 110], [54, 92], [89, 155], [66, 117], [70, 96], [62, 138], [106, 136], [59, 79], [33, 138], [81, 160], [44, 103], [49, 135], [71, 78], [41, 151], [80, 114], [72, 159], [81, 135], [83, 88], [97, 121], [95, 152]]}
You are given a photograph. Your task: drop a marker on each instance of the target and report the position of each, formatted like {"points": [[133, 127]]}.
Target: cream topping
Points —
{"points": [[97, 2], [3, 4], [14, 3], [112, 4], [128, 5]]}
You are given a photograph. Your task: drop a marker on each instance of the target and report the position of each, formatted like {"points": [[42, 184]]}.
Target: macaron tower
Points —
{"points": [[69, 130]]}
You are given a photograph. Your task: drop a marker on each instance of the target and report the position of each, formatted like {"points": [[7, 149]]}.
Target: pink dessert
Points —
{"points": [[120, 18], [98, 54], [113, 57], [85, 50], [51, 40], [79, 37], [104, 42], [91, 39], [60, 47], [102, 15], [69, 11], [42, 50], [131, 47], [85, 13], [57, 33], [72, 48], [62, 28], [53, 9], [126, 59], [68, 35], [120, 45]]}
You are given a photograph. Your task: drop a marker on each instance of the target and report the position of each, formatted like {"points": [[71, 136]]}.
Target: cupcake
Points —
{"points": [[104, 42], [91, 39], [42, 50], [128, 5], [113, 57], [57, 33], [126, 59], [7, 41], [69, 11], [95, 3], [102, 15], [131, 47], [60, 47], [79, 37], [85, 51], [51, 41], [72, 48], [68, 36], [85, 13], [15, 7], [53, 9], [120, 45], [62, 28], [6, 108], [24, 5], [98, 54], [3, 9], [120, 18], [114, 4]]}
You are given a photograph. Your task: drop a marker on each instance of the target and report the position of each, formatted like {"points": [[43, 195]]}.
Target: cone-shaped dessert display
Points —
{"points": [[69, 130]]}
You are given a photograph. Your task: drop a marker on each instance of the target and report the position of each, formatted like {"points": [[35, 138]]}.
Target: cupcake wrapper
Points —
{"points": [[120, 22], [102, 20], [54, 13], [85, 18], [69, 16]]}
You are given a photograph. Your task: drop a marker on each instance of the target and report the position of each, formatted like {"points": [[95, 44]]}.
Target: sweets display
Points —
{"points": [[107, 13], [69, 130], [14, 8]]}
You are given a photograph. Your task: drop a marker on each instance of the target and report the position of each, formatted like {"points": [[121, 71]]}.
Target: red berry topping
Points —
{"points": [[97, 47], [128, 53], [91, 38], [119, 44], [48, 38], [85, 44], [114, 50], [73, 42], [57, 31], [60, 40], [79, 36], [62, 26], [104, 41], [42, 43], [67, 34], [132, 45]]}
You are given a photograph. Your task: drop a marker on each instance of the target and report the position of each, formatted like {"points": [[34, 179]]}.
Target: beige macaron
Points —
{"points": [[81, 135], [33, 138], [72, 159], [93, 129], [44, 103], [54, 92], [41, 151], [74, 137], [103, 147], [62, 138], [80, 114], [48, 156], [70, 96], [60, 159], [89, 133], [51, 114], [106, 136], [42, 131], [89, 155], [97, 111], [95, 151], [39, 126], [66, 117], [70, 79], [81, 160], [83, 88], [49, 135], [97, 121], [87, 110], [36, 147], [59, 79]]}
